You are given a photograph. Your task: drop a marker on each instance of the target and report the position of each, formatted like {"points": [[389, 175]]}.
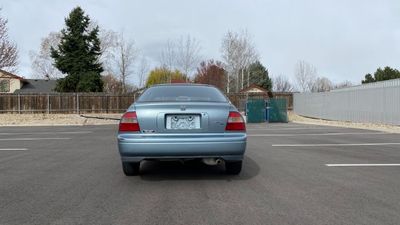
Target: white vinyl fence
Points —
{"points": [[374, 103]]}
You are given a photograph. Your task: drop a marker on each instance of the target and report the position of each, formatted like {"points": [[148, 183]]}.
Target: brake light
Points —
{"points": [[235, 122], [129, 122]]}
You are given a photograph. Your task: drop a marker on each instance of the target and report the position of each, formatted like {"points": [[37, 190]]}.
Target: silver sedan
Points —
{"points": [[181, 122]]}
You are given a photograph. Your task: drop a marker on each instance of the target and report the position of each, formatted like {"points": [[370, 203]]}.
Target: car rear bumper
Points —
{"points": [[138, 146]]}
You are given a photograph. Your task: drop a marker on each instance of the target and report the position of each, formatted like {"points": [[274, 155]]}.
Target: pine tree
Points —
{"points": [[259, 75], [386, 73], [78, 55]]}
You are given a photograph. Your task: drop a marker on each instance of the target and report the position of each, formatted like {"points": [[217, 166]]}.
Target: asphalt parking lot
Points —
{"points": [[293, 174]]}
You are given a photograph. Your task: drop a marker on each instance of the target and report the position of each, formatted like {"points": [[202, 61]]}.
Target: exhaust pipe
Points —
{"points": [[212, 161]]}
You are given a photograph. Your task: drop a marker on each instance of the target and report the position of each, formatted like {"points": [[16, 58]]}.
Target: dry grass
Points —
{"points": [[368, 126], [55, 119], [74, 119]]}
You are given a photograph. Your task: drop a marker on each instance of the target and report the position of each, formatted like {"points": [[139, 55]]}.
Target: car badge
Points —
{"points": [[149, 131], [183, 108]]}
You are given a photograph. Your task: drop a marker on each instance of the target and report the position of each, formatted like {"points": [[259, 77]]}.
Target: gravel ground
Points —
{"points": [[74, 119], [56, 119], [368, 126]]}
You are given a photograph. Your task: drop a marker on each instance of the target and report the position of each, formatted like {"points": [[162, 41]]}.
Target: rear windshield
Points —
{"points": [[182, 94]]}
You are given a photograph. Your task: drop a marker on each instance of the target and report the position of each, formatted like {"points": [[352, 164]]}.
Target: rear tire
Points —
{"points": [[233, 168], [131, 168]]}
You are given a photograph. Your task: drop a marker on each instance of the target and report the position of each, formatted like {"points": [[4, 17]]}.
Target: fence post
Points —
{"points": [[107, 105], [118, 100], [48, 104], [77, 103], [19, 104]]}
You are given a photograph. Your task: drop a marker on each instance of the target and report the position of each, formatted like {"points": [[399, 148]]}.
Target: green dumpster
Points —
{"points": [[278, 110], [255, 109]]}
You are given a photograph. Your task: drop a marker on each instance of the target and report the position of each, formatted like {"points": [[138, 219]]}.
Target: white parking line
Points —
{"points": [[319, 134], [362, 165], [31, 139], [13, 149], [39, 133], [295, 128], [329, 145]]}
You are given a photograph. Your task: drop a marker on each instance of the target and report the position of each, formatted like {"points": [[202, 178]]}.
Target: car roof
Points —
{"points": [[182, 84]]}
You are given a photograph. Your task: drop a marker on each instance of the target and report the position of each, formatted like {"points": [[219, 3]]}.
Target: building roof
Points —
{"points": [[253, 86], [37, 86], [11, 75], [181, 84]]}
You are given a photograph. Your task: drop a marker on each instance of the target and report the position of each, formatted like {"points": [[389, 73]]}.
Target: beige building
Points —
{"points": [[254, 89], [257, 90], [9, 82]]}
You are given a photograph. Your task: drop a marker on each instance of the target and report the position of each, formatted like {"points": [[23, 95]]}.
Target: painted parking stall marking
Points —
{"points": [[363, 165], [13, 149], [315, 134], [334, 145], [32, 139], [46, 133], [292, 128]]}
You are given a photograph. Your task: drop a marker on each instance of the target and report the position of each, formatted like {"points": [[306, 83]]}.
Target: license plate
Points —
{"points": [[183, 122]]}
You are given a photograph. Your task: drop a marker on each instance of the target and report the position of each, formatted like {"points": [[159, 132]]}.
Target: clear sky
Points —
{"points": [[343, 39]]}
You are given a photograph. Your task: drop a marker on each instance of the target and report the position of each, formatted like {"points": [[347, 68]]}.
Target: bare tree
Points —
{"points": [[8, 49], [143, 69], [123, 54], [187, 54], [168, 55], [238, 52], [343, 84], [182, 54], [282, 84], [250, 56], [108, 42], [42, 62], [229, 55], [305, 75], [111, 84], [322, 84]]}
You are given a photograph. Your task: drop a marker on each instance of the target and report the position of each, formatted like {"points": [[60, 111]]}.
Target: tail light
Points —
{"points": [[129, 122], [235, 122]]}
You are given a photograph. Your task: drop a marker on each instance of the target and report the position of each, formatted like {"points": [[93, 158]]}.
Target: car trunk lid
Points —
{"points": [[182, 117]]}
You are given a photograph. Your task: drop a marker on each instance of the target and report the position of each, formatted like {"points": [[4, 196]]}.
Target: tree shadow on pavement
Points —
{"points": [[194, 170]]}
